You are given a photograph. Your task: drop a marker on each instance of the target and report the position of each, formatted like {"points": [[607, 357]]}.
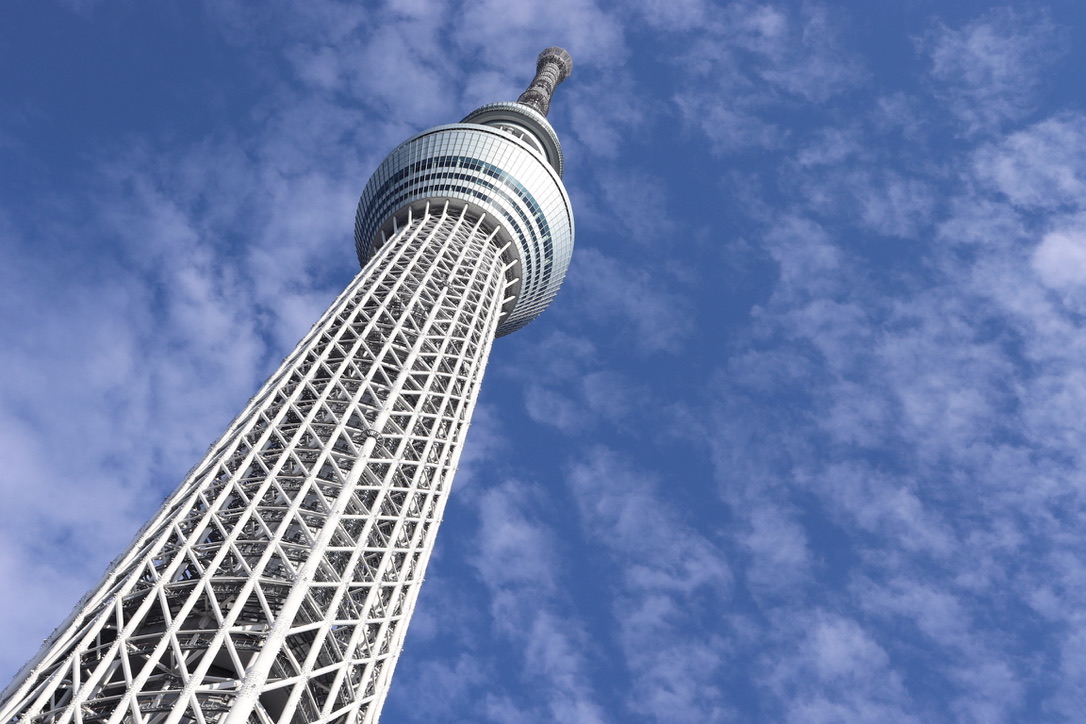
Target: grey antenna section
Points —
{"points": [[553, 67]]}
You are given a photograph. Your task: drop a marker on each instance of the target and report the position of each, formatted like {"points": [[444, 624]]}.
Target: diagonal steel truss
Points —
{"points": [[275, 585]]}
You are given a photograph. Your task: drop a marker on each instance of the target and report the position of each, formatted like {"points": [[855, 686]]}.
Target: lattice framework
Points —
{"points": [[276, 584]]}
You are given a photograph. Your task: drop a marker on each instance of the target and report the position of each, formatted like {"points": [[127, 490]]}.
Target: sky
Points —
{"points": [[800, 440]]}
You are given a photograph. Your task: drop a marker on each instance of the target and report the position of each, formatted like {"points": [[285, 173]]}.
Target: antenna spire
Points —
{"points": [[553, 67]]}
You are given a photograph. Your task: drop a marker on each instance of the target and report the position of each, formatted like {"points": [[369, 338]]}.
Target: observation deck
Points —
{"points": [[503, 162]]}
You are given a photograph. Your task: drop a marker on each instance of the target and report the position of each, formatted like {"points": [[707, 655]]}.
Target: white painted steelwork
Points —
{"points": [[276, 584]]}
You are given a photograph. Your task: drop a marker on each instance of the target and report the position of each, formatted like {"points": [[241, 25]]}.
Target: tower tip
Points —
{"points": [[553, 66], [561, 56]]}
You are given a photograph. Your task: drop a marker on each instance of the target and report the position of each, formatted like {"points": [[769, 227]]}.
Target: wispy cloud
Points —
{"points": [[516, 560], [756, 58], [672, 581], [639, 298], [990, 70], [1042, 167], [832, 669], [839, 479]]}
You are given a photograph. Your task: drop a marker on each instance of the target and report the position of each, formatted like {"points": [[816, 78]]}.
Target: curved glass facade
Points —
{"points": [[495, 174]]}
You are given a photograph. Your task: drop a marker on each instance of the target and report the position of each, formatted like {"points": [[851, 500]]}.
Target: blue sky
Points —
{"points": [[801, 440]]}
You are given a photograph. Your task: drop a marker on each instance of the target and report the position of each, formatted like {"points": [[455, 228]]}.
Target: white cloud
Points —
{"points": [[601, 396], [1042, 167], [806, 258], [443, 688], [678, 15], [609, 290], [1060, 259], [514, 33], [840, 649], [780, 559], [885, 506], [809, 60], [757, 58], [989, 71], [924, 428], [513, 551], [635, 203], [1070, 696], [990, 688], [729, 129], [834, 670], [1060, 263], [607, 116], [615, 397], [831, 146], [516, 560], [550, 407], [673, 583], [895, 206]]}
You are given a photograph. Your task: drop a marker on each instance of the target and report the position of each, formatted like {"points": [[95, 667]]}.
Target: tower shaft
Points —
{"points": [[276, 584]]}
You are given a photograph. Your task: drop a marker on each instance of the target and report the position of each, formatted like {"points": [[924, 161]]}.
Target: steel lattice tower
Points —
{"points": [[277, 582]]}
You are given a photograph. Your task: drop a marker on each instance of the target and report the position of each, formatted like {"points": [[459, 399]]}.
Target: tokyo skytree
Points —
{"points": [[276, 583]]}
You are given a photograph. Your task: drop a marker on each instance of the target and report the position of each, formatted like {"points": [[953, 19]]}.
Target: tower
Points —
{"points": [[276, 583]]}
